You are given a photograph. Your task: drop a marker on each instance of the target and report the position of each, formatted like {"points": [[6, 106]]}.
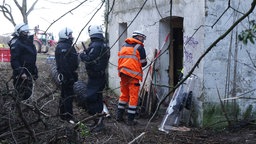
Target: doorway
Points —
{"points": [[171, 62]]}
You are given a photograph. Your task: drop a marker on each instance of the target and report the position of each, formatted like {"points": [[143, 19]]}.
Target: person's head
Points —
{"points": [[95, 31], [21, 30], [139, 36], [66, 33]]}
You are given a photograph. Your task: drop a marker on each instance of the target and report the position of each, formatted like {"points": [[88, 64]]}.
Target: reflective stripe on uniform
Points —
{"points": [[134, 53], [120, 107], [131, 112], [128, 56], [143, 60], [121, 104], [131, 71], [131, 109], [135, 48]]}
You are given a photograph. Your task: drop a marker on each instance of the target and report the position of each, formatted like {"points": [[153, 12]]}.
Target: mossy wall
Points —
{"points": [[220, 115]]}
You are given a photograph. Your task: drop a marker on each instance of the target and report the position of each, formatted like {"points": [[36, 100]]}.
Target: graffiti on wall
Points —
{"points": [[189, 43], [188, 56]]}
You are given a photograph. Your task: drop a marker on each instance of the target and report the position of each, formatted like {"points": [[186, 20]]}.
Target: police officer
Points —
{"points": [[67, 64], [23, 61], [132, 57], [96, 60]]}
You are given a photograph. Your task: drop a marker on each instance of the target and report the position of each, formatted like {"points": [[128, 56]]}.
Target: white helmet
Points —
{"points": [[22, 27], [138, 33], [95, 29], [65, 33]]}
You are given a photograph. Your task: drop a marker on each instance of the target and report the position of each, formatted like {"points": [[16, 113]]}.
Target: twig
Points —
{"points": [[222, 14], [251, 59], [88, 22], [64, 15], [11, 131], [89, 118], [142, 134], [223, 107], [47, 94], [24, 120]]}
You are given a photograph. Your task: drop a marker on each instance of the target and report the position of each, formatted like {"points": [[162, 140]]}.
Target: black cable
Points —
{"points": [[158, 10]]}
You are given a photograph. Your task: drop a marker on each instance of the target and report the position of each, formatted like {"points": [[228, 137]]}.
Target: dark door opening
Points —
{"points": [[177, 53]]}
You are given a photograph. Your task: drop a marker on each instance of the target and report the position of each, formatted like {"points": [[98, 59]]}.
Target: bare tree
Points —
{"points": [[7, 11]]}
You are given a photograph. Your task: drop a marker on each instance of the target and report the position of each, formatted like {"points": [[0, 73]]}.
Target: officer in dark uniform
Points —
{"points": [[96, 60], [23, 61], [67, 64]]}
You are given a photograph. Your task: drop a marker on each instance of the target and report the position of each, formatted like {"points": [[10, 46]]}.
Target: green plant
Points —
{"points": [[248, 34], [84, 130]]}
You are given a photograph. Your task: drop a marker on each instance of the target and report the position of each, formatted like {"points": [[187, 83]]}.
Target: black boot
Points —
{"points": [[99, 126], [119, 115], [131, 121]]}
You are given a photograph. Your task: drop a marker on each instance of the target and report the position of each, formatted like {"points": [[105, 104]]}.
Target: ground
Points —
{"points": [[40, 115]]}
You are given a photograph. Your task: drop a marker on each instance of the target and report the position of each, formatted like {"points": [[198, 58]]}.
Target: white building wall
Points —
{"points": [[228, 68], [147, 21], [225, 66], [193, 37]]}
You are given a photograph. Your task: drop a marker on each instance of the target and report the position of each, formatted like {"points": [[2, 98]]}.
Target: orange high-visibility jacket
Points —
{"points": [[129, 62]]}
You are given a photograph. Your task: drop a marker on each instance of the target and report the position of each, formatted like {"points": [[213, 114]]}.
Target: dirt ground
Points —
{"points": [[48, 128]]}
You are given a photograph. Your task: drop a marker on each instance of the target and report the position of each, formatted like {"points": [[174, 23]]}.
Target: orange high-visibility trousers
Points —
{"points": [[129, 90]]}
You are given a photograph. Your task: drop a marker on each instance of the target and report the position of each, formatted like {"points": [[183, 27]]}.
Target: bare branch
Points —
{"points": [[65, 14], [222, 14], [32, 7], [18, 5], [134, 140], [7, 13], [88, 22]]}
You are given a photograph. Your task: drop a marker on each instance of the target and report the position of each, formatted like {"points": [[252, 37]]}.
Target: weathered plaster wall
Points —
{"points": [[194, 18], [227, 70], [147, 21]]}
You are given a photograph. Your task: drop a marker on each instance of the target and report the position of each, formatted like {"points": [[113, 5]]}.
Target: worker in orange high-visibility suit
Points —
{"points": [[132, 57]]}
